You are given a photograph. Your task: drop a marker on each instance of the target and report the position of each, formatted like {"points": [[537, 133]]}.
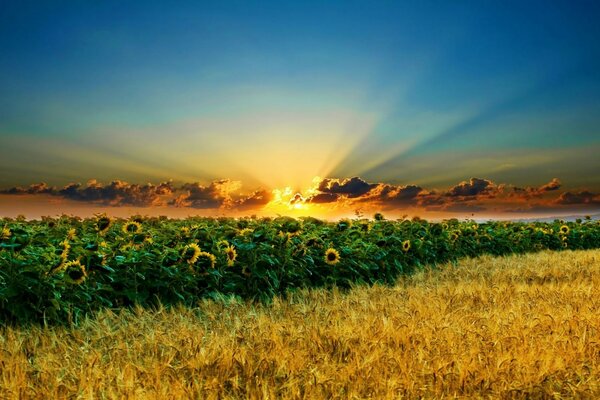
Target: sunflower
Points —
{"points": [[103, 223], [231, 255], [206, 257], [332, 256], [126, 247], [5, 234], [222, 245], [132, 227], [564, 229], [75, 272], [245, 231], [313, 241], [72, 234], [191, 252], [65, 252], [406, 245]]}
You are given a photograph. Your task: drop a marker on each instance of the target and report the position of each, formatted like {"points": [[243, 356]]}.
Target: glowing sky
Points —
{"points": [[269, 95]]}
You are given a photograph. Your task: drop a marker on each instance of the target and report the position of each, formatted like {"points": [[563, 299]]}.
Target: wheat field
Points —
{"points": [[524, 326]]}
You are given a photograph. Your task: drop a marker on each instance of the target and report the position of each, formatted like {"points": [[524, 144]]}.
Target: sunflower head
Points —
{"points": [[344, 224], [75, 272], [245, 232], [454, 237], [564, 229], [132, 227], [72, 234], [65, 250], [5, 234], [332, 256], [190, 253], [206, 260], [222, 245], [103, 223], [406, 245], [313, 241], [231, 255]]}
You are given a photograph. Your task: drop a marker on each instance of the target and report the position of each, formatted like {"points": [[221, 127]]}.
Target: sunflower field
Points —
{"points": [[55, 270]]}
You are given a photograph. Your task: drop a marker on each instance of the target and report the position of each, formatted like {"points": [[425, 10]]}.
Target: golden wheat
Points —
{"points": [[512, 327]]}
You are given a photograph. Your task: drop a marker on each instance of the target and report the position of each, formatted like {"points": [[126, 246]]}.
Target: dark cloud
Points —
{"points": [[220, 194], [323, 198], [357, 190], [36, 188], [432, 200], [255, 200], [554, 184], [582, 197], [466, 196], [392, 195], [474, 187], [352, 187], [296, 199], [117, 193], [215, 195], [529, 192], [403, 194]]}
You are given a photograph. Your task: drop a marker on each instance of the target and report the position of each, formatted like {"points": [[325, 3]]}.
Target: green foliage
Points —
{"points": [[58, 269]]}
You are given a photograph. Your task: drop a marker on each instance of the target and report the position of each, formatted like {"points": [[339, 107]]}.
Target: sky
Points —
{"points": [[485, 109]]}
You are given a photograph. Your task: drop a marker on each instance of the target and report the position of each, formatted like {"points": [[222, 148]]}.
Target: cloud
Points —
{"points": [[582, 197], [323, 198], [352, 187], [215, 195], [472, 195], [475, 187], [392, 195], [554, 184], [220, 194], [117, 193], [255, 200], [36, 188], [529, 192]]}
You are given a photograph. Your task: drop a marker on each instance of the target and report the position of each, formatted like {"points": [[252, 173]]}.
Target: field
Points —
{"points": [[298, 308], [57, 270], [520, 326]]}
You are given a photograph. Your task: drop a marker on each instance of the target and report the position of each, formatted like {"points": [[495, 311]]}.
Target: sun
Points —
{"points": [[299, 206]]}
